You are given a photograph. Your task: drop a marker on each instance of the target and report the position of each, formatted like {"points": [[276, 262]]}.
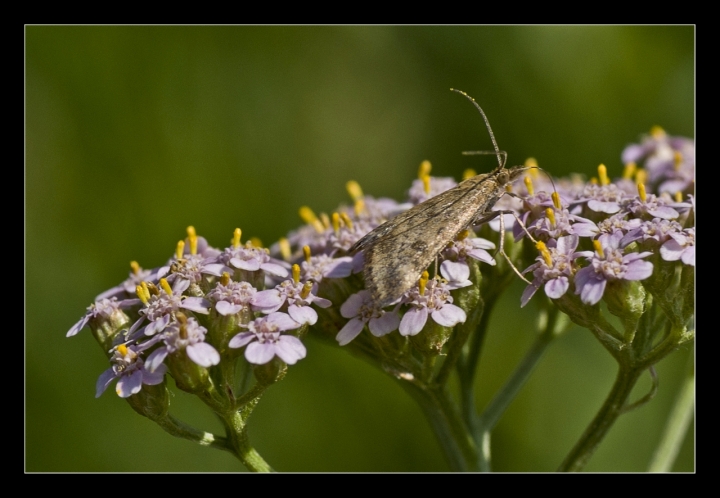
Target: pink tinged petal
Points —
{"points": [[591, 290], [585, 229], [688, 256], [350, 331], [384, 324], [603, 207], [454, 271], [557, 287], [180, 285], [638, 270], [154, 378], [528, 293], [78, 326], [242, 339], [225, 308], [482, 255], [104, 381], [449, 315], [156, 359], [282, 321], [567, 244], [268, 300], [196, 304], [671, 250], [274, 269], [136, 325], [115, 291], [480, 243], [351, 307], [340, 268], [303, 314], [664, 212], [633, 153], [203, 354], [157, 325], [129, 384], [161, 272], [413, 321], [250, 265], [322, 302], [290, 349], [214, 269], [633, 256], [259, 354], [358, 262]]}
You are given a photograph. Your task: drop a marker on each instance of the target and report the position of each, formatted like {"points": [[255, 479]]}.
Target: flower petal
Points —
{"points": [[413, 321], [203, 354], [350, 331]]}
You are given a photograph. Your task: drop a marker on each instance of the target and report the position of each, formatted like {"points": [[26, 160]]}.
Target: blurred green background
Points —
{"points": [[133, 133]]}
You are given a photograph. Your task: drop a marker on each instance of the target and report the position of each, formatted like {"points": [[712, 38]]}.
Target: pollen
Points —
{"points": [[426, 183], [166, 286], [641, 191], [191, 232], [678, 196], [424, 169], [550, 215], [305, 292], [255, 242], [237, 233], [135, 267], [193, 243], [225, 278], [346, 219], [284, 246], [640, 176], [141, 294], [556, 200], [296, 273], [336, 223], [325, 220], [422, 283], [629, 171], [353, 188], [308, 216], [529, 185], [598, 248], [463, 234], [677, 159], [532, 163], [179, 249], [544, 252], [469, 173], [657, 132], [306, 253], [602, 175], [122, 349]]}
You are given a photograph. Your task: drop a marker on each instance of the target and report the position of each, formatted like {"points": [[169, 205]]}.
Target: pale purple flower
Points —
{"points": [[438, 185], [658, 229], [192, 267], [265, 340], [469, 247], [324, 266], [298, 297], [345, 237], [232, 298], [186, 335], [603, 198], [657, 207], [435, 302], [457, 274], [609, 264], [615, 223], [359, 308], [103, 309], [251, 258], [553, 269], [680, 246], [130, 372], [136, 276]]}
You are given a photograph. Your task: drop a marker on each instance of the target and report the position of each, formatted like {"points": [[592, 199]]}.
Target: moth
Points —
{"points": [[399, 250]]}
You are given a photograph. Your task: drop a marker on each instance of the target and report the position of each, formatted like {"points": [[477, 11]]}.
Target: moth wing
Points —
{"points": [[397, 252]]}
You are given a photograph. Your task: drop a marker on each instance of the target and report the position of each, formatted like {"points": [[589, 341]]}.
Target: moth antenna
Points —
{"points": [[501, 163]]}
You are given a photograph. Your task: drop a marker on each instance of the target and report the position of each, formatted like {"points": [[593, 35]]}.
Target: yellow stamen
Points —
{"points": [[306, 253], [284, 246], [296, 273], [135, 267], [180, 316], [325, 220], [426, 183], [346, 219], [150, 288], [640, 176], [545, 252], [308, 216], [359, 207], [602, 175], [529, 185], [179, 249], [657, 132], [508, 187], [469, 173], [422, 283], [678, 196], [141, 294], [593, 181], [255, 242], [353, 188], [122, 349], [556, 200], [550, 215], [237, 233], [629, 171], [336, 223], [225, 278], [531, 162], [191, 232], [463, 234], [598, 248], [424, 169], [305, 292], [166, 286], [677, 159], [641, 191]]}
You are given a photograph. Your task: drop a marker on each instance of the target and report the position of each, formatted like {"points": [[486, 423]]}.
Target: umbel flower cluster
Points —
{"points": [[213, 318]]}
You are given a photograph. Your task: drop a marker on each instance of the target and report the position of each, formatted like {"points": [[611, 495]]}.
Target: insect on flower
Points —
{"points": [[398, 251]]}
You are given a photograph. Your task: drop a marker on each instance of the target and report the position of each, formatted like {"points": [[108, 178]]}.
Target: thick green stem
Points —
{"points": [[237, 434], [603, 421], [175, 427]]}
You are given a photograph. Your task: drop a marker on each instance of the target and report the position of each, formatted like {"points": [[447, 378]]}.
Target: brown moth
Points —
{"points": [[399, 250]]}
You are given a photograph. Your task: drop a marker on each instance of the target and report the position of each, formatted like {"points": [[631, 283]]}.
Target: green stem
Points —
{"points": [[237, 434], [175, 427], [677, 426], [603, 421]]}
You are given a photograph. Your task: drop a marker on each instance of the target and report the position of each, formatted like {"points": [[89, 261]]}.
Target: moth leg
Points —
{"points": [[494, 214]]}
